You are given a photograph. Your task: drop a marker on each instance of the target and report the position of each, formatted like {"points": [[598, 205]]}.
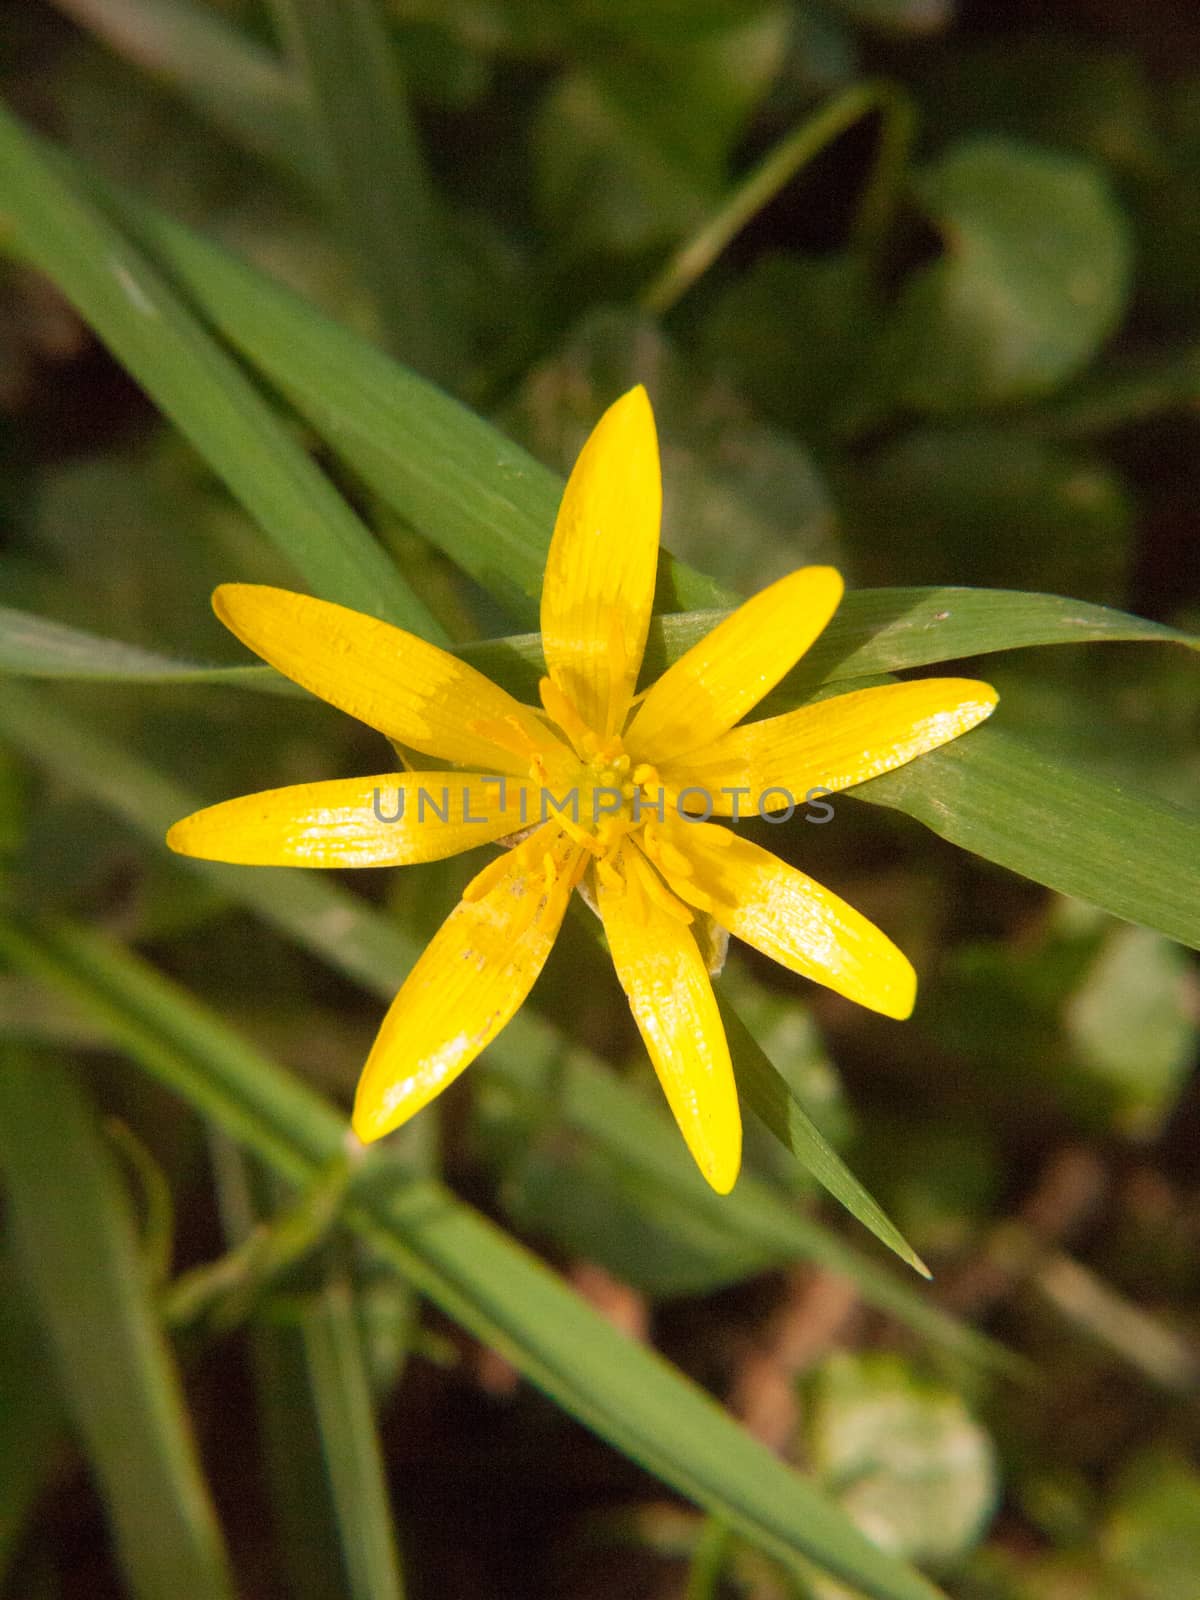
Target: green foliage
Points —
{"points": [[373, 270], [1032, 278]]}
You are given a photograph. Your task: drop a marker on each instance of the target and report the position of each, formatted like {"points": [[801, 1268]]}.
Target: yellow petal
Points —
{"points": [[408, 689], [599, 582], [469, 981], [729, 670], [792, 919], [832, 744], [664, 976], [386, 821]]}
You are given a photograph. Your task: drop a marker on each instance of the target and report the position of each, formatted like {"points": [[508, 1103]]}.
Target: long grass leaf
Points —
{"points": [[763, 1087], [155, 334], [472, 1269], [236, 85], [1058, 822], [325, 1467], [459, 482], [37, 647], [75, 1237], [379, 191]]}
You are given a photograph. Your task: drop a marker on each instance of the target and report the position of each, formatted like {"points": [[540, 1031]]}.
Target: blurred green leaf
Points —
{"points": [[604, 183], [474, 1271], [1133, 1026], [903, 1456], [79, 1253], [1051, 89], [32, 1425], [831, 312], [378, 188], [242, 89], [156, 335], [991, 505], [1152, 1531], [1032, 279]]}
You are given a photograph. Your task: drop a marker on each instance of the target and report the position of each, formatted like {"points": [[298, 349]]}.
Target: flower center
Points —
{"points": [[612, 798]]}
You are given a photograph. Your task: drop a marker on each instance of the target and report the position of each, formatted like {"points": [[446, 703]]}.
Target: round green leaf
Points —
{"points": [[1032, 279]]}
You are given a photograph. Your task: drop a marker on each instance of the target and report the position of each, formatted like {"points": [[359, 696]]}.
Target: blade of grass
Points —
{"points": [[375, 951], [79, 1254], [693, 258], [37, 647], [708, 1561], [459, 482], [153, 332], [315, 1407], [594, 1103], [379, 191], [337, 1374], [769, 1095], [874, 631], [1055, 821], [32, 1425], [240, 88], [469, 1267], [764, 1089]]}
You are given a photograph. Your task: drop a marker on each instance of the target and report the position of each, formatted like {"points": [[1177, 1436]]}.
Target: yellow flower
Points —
{"points": [[604, 789]]}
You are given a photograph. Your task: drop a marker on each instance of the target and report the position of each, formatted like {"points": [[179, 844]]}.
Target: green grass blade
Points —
{"points": [[379, 191], [457, 480], [594, 1103], [472, 1269], [890, 630], [1055, 821], [764, 1089], [236, 85], [78, 1248], [37, 647], [777, 169], [874, 631], [375, 951], [32, 1425], [337, 1377], [325, 1469], [147, 325]]}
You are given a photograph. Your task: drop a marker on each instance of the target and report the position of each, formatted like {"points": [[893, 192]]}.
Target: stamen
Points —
{"points": [[485, 881], [508, 734], [665, 853], [609, 876], [657, 891], [633, 888], [561, 708]]}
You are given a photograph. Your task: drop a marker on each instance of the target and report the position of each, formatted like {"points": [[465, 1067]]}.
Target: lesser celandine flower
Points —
{"points": [[600, 792]]}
